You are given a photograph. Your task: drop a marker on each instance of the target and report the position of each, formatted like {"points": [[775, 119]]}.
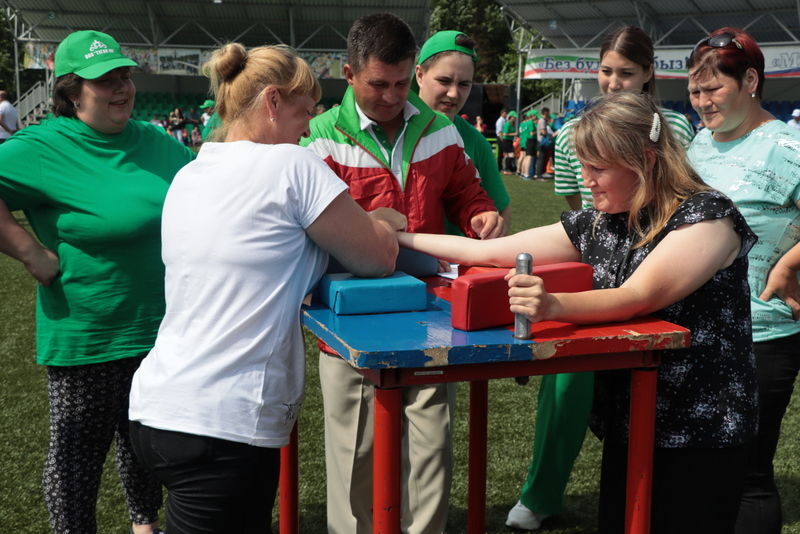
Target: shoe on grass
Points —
{"points": [[524, 518]]}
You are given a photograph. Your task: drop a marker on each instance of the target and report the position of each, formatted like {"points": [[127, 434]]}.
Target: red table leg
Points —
{"points": [[640, 451], [386, 462], [288, 511], [476, 492]]}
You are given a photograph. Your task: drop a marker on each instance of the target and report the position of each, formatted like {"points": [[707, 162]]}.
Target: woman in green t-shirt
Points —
{"points": [[92, 184]]}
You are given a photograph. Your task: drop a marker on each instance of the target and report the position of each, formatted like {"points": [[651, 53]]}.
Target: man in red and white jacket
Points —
{"points": [[393, 151]]}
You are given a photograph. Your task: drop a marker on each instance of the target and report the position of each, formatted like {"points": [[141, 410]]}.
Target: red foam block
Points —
{"points": [[479, 299]]}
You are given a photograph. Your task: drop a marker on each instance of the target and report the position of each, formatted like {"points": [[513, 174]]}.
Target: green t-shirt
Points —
{"points": [[214, 122], [526, 128], [95, 199], [480, 151], [509, 130]]}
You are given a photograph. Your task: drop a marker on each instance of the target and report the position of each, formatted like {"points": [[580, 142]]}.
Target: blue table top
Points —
{"points": [[412, 339]]}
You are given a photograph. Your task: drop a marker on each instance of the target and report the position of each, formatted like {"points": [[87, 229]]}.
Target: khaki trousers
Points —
{"points": [[427, 451]]}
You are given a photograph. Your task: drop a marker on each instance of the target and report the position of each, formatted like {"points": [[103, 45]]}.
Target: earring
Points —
{"points": [[273, 119], [752, 95], [76, 104]]}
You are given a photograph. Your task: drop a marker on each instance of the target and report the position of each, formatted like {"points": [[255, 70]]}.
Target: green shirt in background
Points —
{"points": [[214, 122], [526, 131], [509, 130], [95, 199], [480, 151]]}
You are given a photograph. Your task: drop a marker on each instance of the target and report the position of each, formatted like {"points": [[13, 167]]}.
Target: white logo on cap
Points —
{"points": [[96, 44], [98, 47]]}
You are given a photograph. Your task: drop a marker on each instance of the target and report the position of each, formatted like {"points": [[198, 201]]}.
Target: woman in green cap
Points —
{"points": [[443, 79], [91, 182]]}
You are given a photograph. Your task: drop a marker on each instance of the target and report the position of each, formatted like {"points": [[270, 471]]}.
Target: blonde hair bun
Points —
{"points": [[227, 62], [239, 77]]}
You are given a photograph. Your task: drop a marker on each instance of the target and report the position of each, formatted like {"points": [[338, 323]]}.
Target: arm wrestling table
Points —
{"points": [[394, 350]]}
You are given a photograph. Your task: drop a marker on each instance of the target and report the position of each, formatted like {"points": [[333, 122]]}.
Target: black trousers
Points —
{"points": [[777, 364], [215, 486], [544, 156], [695, 491]]}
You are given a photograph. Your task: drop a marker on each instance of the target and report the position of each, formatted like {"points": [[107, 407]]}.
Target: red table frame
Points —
{"points": [[387, 422]]}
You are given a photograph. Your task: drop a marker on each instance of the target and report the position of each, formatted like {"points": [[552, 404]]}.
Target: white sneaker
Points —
{"points": [[524, 518]]}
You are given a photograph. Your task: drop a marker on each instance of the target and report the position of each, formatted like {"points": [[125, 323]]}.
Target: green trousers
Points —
{"points": [[562, 415]]}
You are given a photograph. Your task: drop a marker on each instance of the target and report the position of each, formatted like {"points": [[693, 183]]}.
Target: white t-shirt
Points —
{"points": [[10, 118], [229, 359]]}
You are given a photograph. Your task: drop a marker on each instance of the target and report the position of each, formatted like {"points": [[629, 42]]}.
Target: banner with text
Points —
{"points": [[180, 61], [779, 62]]}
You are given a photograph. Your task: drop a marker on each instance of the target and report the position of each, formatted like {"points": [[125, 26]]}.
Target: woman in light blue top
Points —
{"points": [[755, 159]]}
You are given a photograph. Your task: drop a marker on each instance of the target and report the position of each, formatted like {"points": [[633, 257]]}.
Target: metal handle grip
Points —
{"points": [[522, 327]]}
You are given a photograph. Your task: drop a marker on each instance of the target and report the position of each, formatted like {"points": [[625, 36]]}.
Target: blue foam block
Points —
{"points": [[346, 294]]}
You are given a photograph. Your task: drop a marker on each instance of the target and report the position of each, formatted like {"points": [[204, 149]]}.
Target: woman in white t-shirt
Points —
{"points": [[246, 231]]}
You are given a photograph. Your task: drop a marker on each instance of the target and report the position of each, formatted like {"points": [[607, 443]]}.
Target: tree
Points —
{"points": [[7, 79], [499, 59], [483, 21], [8, 82]]}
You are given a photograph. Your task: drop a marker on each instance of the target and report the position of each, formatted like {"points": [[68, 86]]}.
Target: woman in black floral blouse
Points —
{"points": [[662, 243]]}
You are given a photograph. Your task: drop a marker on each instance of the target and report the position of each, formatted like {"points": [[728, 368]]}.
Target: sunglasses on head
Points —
{"points": [[717, 41]]}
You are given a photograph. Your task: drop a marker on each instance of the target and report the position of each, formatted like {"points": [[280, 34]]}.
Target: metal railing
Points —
{"points": [[555, 101], [33, 104]]}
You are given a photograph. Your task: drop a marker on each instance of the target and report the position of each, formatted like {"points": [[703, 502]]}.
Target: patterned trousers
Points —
{"points": [[89, 409]]}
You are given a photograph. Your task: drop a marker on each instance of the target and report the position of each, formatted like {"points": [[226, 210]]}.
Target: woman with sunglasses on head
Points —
{"points": [[755, 159], [626, 65], [650, 207]]}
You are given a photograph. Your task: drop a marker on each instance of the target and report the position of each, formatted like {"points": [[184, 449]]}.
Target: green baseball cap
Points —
{"points": [[444, 41], [89, 54], [532, 113], [208, 104], [511, 114]]}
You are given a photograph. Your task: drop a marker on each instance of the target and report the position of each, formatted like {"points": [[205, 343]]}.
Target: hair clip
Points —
{"points": [[655, 129]]}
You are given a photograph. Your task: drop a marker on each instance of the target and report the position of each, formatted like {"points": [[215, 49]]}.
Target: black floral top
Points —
{"points": [[706, 393]]}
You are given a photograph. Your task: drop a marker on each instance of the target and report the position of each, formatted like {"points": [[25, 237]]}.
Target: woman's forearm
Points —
{"points": [[15, 241], [596, 306], [548, 244], [452, 248]]}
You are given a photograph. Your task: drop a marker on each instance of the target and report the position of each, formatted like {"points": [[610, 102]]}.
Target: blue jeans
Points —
{"points": [[777, 364]]}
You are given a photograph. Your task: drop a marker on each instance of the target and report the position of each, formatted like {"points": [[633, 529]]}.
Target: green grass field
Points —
{"points": [[24, 426]]}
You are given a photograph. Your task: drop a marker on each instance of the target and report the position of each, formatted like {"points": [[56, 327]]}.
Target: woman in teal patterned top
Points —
{"points": [[755, 159]]}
